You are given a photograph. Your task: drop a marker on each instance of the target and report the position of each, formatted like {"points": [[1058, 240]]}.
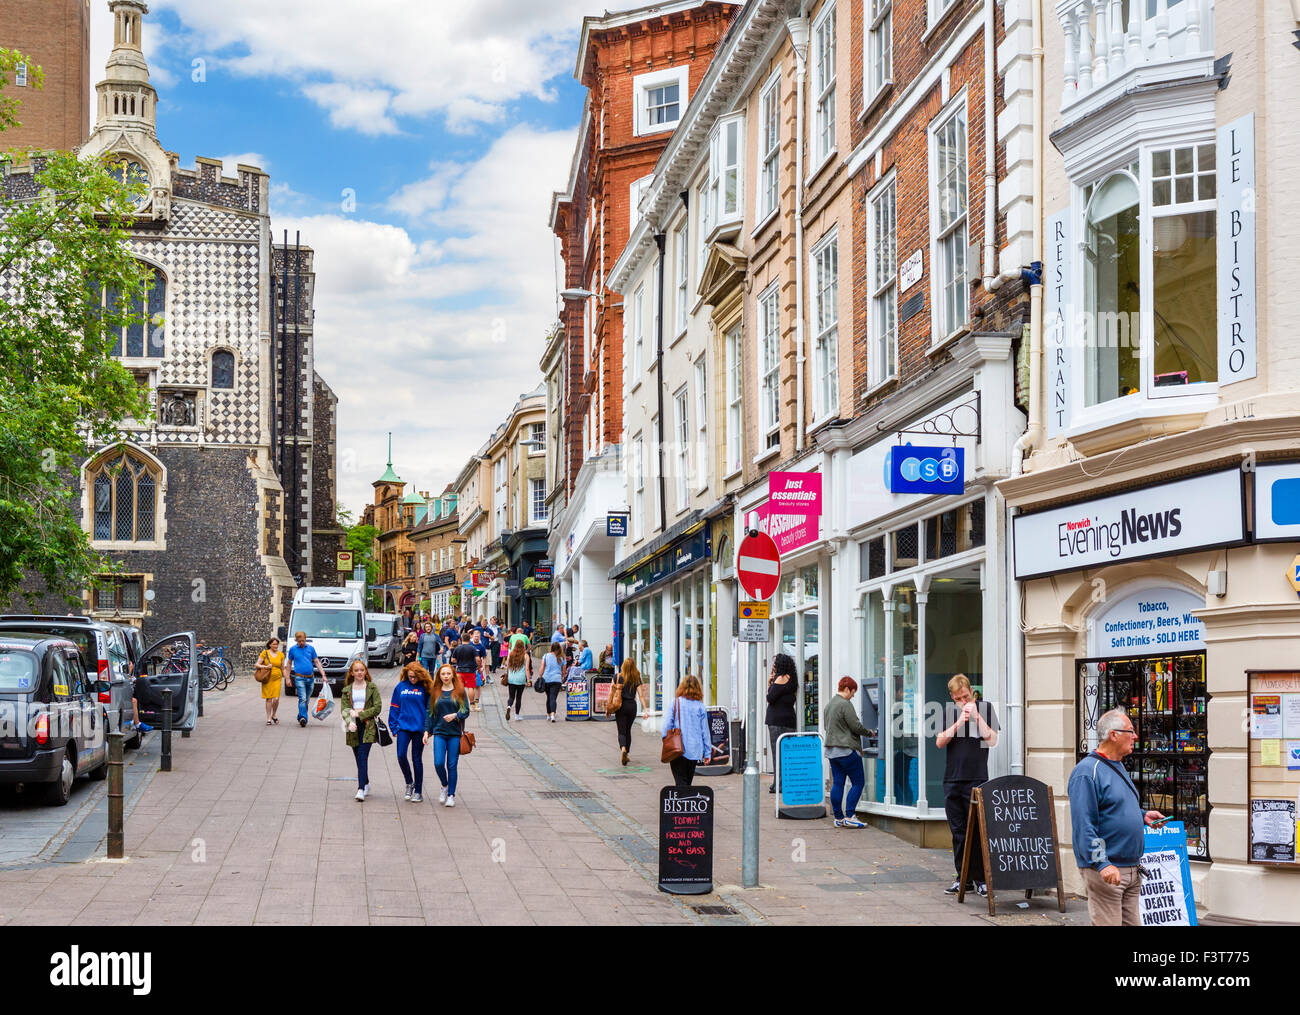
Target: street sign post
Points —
{"points": [[755, 611], [758, 566], [754, 631]]}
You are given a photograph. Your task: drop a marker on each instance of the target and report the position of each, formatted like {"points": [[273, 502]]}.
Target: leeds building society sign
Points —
{"points": [[1155, 521]]}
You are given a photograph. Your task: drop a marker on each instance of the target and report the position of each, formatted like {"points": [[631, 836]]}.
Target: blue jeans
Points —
{"points": [[362, 753], [446, 756], [850, 768], [302, 685], [429, 663], [416, 742]]}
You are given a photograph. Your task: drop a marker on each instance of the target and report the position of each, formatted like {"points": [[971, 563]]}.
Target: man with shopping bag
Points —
{"points": [[304, 661]]}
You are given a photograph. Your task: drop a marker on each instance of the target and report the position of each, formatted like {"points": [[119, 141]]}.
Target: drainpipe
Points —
{"points": [[798, 29], [659, 379], [993, 280]]}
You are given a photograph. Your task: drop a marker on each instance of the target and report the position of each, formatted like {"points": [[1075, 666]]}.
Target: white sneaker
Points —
{"points": [[442, 797], [407, 794], [451, 801], [365, 792], [361, 794]]}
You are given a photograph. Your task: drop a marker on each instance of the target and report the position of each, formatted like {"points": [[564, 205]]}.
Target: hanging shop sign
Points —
{"points": [[1166, 896], [795, 493], [800, 788], [914, 469], [1235, 182], [1146, 622], [543, 570], [616, 525], [345, 560], [1153, 521], [686, 840], [1277, 503], [1056, 311], [789, 531]]}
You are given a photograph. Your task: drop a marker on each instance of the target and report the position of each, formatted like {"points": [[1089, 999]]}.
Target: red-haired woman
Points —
{"points": [[361, 704], [407, 717], [690, 716], [444, 723], [844, 752]]}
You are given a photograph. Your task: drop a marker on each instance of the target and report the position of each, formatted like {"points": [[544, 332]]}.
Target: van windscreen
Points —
{"points": [[322, 623]]}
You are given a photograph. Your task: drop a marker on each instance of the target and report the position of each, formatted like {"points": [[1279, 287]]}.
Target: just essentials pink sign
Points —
{"points": [[795, 493], [789, 531]]}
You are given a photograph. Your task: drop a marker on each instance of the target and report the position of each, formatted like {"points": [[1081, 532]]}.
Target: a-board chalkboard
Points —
{"points": [[1014, 820], [720, 735], [686, 840]]}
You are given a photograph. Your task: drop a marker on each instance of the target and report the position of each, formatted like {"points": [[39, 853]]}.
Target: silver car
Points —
{"points": [[386, 649]]}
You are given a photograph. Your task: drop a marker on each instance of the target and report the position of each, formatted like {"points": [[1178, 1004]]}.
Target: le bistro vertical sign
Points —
{"points": [[1153, 521]]}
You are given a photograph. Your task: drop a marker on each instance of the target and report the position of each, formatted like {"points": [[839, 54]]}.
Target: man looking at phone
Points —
{"points": [[966, 766], [1106, 819]]}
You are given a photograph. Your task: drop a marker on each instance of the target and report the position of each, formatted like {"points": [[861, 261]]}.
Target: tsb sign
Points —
{"points": [[910, 469]]}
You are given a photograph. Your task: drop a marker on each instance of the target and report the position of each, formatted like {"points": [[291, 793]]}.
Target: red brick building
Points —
{"points": [[55, 35]]}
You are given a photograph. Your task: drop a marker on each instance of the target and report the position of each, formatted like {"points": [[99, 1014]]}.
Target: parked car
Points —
{"points": [[386, 649], [105, 652], [172, 663], [51, 723]]}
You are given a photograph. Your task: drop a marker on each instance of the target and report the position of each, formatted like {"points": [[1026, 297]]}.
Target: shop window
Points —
{"points": [[904, 701], [872, 559], [954, 640], [799, 631], [905, 548], [1167, 700], [954, 531]]}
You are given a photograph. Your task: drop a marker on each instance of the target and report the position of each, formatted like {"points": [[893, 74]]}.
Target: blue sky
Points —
{"points": [[451, 125]]}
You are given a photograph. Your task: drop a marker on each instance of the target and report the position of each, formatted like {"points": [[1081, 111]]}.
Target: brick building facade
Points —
{"points": [[55, 36]]}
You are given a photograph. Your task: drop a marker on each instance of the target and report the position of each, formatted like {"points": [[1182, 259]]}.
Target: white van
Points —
{"points": [[334, 621]]}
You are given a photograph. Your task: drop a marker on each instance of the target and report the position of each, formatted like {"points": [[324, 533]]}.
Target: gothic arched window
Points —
{"points": [[124, 498], [223, 369], [144, 337]]}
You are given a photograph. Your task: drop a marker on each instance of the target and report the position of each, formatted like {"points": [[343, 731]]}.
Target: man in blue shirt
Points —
{"points": [[1106, 818], [302, 660]]}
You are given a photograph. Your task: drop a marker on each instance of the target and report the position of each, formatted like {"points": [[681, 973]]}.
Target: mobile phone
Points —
{"points": [[1159, 822]]}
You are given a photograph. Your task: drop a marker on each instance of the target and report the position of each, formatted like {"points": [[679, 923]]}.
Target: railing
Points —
{"points": [[1151, 40]]}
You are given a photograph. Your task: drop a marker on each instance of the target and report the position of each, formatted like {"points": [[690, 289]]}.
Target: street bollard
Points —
{"points": [[166, 730], [200, 698], [116, 838]]}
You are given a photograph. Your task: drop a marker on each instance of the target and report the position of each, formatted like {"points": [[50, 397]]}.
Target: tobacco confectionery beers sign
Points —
{"points": [[1153, 521]]}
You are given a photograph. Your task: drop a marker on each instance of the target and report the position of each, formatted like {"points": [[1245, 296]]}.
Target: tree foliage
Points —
{"points": [[63, 243]]}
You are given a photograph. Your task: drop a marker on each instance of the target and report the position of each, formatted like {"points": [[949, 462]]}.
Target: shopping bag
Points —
{"points": [[323, 707]]}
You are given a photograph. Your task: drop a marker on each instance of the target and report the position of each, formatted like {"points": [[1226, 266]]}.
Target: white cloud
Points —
{"points": [[230, 163], [435, 340], [398, 58]]}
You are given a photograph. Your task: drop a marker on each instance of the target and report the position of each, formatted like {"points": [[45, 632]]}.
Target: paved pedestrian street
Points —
{"points": [[259, 825]]}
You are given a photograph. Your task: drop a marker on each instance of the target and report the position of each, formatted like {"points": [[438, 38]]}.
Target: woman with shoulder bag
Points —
{"points": [[516, 679], [629, 688], [553, 677], [690, 719], [270, 674], [361, 705], [445, 724], [782, 695]]}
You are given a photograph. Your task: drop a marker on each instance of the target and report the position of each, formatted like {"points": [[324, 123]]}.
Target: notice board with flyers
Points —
{"points": [[1273, 781]]}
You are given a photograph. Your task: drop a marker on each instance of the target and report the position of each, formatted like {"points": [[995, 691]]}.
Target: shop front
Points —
{"points": [[1171, 599]]}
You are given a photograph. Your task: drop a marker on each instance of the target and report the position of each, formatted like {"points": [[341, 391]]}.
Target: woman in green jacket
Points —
{"points": [[361, 704], [844, 752]]}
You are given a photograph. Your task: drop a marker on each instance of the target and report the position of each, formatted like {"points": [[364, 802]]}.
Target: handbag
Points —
{"points": [[382, 736], [466, 740], [673, 749], [262, 671], [615, 701], [539, 685]]}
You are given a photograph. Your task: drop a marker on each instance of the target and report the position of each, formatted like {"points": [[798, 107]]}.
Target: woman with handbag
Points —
{"points": [[269, 672], [361, 704], [782, 696], [407, 716], [517, 667], [445, 725], [553, 677], [624, 702], [687, 742]]}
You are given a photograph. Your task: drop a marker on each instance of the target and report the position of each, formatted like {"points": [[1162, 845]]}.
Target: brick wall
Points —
{"points": [[55, 34]]}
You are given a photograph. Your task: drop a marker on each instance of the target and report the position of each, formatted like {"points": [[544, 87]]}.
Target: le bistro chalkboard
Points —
{"points": [[1014, 820], [686, 840]]}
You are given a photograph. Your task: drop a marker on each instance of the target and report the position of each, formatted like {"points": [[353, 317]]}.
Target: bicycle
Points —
{"points": [[215, 658]]}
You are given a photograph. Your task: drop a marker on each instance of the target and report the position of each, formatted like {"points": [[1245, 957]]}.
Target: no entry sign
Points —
{"points": [[758, 565]]}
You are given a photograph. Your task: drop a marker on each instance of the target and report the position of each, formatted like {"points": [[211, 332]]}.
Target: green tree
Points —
{"points": [[63, 243]]}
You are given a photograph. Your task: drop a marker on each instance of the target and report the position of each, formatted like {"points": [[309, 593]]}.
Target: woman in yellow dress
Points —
{"points": [[272, 657]]}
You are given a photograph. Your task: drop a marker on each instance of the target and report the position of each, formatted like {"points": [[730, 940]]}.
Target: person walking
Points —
{"points": [[407, 717], [553, 676], [410, 646], [304, 663], [633, 688], [782, 694], [966, 742], [361, 704], [1107, 819], [689, 715], [272, 687], [444, 725], [518, 669], [430, 647], [844, 752]]}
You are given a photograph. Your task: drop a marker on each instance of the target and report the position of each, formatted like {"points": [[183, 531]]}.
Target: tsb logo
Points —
{"points": [[928, 470]]}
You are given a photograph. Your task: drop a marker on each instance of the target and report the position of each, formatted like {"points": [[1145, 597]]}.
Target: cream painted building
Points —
{"points": [[1158, 511]]}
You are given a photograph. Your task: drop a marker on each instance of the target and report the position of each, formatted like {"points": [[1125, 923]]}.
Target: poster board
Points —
{"points": [[602, 686], [577, 699], [1013, 819], [720, 735], [1166, 896], [800, 783], [1273, 771], [686, 840]]}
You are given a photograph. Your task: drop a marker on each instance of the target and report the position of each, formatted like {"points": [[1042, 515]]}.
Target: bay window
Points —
{"points": [[723, 190]]}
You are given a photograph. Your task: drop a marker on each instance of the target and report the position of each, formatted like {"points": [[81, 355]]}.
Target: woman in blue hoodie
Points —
{"points": [[689, 715], [407, 718], [444, 724]]}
